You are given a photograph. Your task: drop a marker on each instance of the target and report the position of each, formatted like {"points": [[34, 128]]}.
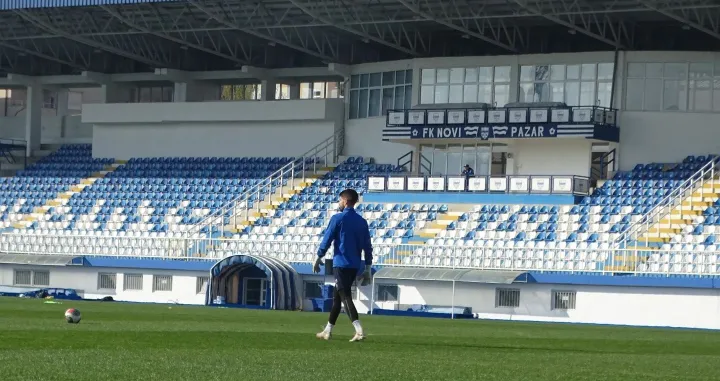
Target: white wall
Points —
{"points": [[564, 156], [221, 129], [85, 280], [666, 137], [639, 306], [258, 139], [363, 137]]}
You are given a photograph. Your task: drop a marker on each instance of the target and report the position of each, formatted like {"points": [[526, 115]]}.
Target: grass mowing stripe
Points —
{"points": [[117, 341]]}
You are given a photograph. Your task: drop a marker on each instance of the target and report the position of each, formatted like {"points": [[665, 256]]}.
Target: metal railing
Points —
{"points": [[632, 236], [535, 184], [595, 260], [240, 209], [406, 161]]}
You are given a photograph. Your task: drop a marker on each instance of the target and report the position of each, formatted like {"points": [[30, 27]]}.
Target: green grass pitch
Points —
{"points": [[118, 341]]}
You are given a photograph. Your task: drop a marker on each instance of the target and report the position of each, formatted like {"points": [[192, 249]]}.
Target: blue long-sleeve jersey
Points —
{"points": [[349, 234]]}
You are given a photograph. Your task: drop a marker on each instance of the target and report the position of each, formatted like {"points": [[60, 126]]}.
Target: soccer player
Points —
{"points": [[349, 234]]}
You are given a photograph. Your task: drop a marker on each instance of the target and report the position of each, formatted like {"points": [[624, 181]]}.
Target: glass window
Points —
{"points": [[364, 80], [701, 95], [573, 72], [542, 73], [388, 78], [400, 77], [653, 70], [588, 71], [442, 75], [502, 95], [363, 104], [456, 94], [604, 93], [674, 95], [471, 75], [527, 73], [457, 75], [485, 75], [587, 94], [354, 98], [653, 95], [374, 93], [441, 94], [375, 79], [375, 101], [470, 94], [605, 71], [427, 95], [502, 74], [408, 96], [675, 70], [557, 90], [399, 96], [634, 98], [388, 97], [485, 94], [557, 72], [572, 93], [636, 70], [427, 76]]}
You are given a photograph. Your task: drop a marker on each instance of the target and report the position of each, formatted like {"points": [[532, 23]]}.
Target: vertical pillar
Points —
{"points": [[114, 93], [416, 170], [195, 91], [33, 117], [267, 90], [294, 91]]}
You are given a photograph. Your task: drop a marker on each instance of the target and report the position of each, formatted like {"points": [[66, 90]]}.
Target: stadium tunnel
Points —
{"points": [[255, 282]]}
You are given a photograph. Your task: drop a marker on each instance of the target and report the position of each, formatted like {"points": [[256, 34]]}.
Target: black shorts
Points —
{"points": [[344, 278]]}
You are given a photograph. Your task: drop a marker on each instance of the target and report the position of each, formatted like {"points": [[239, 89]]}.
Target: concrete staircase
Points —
{"points": [[245, 218], [681, 215], [64, 197], [9, 168]]}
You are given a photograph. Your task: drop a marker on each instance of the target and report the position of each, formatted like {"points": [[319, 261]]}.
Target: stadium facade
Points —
{"points": [[142, 169]]}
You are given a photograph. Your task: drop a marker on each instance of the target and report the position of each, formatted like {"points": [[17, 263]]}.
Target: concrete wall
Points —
{"points": [[222, 129], [552, 156], [85, 280], [363, 137], [638, 306]]}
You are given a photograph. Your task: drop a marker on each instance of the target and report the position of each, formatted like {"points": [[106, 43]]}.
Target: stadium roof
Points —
{"points": [[43, 37]]}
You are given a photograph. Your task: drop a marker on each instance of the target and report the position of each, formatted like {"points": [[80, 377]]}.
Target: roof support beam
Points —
{"points": [[42, 55], [223, 20], [98, 45], [524, 4], [348, 29], [682, 19], [427, 16], [180, 41]]}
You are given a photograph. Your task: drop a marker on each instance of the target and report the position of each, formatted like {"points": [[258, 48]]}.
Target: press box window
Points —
{"points": [[133, 282], [23, 277], [162, 283], [107, 281], [313, 290], [41, 278], [201, 284], [507, 297], [563, 300], [387, 293]]}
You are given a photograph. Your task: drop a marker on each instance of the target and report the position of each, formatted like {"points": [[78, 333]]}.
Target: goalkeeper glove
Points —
{"points": [[318, 263], [366, 277]]}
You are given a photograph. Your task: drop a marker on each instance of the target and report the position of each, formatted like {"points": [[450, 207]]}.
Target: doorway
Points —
{"points": [[255, 292]]}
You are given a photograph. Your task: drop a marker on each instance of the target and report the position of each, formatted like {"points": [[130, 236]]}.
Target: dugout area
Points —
{"points": [[255, 282]]}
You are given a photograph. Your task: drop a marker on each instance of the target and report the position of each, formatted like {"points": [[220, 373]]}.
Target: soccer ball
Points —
{"points": [[72, 316]]}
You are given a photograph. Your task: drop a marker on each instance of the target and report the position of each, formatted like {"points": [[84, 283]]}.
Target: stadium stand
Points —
{"points": [[71, 199]]}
